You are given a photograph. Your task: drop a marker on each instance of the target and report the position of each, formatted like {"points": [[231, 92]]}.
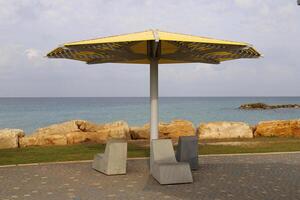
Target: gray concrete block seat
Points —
{"points": [[113, 160], [187, 151], [163, 165]]}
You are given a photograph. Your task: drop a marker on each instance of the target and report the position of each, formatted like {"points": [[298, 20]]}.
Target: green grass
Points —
{"points": [[60, 153], [256, 145], [224, 149], [87, 151]]}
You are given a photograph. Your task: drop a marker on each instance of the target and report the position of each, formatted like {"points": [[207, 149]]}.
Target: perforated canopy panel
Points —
{"points": [[137, 48]]}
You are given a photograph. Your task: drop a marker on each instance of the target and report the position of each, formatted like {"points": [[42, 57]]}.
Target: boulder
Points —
{"points": [[28, 141], [137, 133], [51, 135], [176, 128], [76, 137], [171, 130], [223, 130], [59, 129], [102, 132], [9, 138], [45, 140], [281, 128], [74, 132]]}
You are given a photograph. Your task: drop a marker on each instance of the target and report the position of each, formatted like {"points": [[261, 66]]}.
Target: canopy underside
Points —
{"points": [[173, 48]]}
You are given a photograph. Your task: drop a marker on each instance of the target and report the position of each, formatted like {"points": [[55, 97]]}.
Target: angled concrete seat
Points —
{"points": [[187, 151], [163, 165], [113, 160]]}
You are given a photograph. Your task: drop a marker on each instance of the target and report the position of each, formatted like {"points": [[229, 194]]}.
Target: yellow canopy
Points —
{"points": [[138, 47]]}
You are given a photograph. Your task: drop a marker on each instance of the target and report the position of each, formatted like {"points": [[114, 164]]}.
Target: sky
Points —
{"points": [[31, 28]]}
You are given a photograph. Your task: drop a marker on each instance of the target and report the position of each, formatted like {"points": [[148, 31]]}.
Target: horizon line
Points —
{"points": [[137, 96]]}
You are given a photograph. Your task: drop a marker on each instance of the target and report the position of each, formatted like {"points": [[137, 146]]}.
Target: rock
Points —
{"points": [[264, 106], [119, 129], [74, 132], [86, 126], [171, 130], [77, 137], [102, 132], [137, 133], [59, 129], [43, 140], [51, 135], [254, 106], [176, 128], [222, 130], [9, 138], [28, 141], [281, 128]]}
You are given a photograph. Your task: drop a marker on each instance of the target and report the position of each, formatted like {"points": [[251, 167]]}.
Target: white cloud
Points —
{"points": [[32, 54]]}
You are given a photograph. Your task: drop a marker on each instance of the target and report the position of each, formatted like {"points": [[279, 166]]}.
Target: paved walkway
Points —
{"points": [[219, 177]]}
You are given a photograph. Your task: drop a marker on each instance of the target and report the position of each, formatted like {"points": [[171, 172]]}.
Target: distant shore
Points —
{"points": [[263, 106], [83, 131]]}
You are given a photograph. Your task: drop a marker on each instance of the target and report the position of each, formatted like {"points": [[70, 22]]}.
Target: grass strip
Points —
{"points": [[87, 151]]}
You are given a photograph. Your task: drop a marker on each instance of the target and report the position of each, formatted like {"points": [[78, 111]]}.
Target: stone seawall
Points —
{"points": [[81, 131]]}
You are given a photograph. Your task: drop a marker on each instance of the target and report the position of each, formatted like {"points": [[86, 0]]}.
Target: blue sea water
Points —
{"points": [[31, 113]]}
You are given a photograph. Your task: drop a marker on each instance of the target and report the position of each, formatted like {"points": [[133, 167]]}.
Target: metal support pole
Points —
{"points": [[154, 99]]}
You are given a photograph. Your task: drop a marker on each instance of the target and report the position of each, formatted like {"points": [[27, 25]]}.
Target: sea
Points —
{"points": [[32, 113]]}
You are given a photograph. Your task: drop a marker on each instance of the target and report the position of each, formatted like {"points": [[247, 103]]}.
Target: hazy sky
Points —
{"points": [[31, 28]]}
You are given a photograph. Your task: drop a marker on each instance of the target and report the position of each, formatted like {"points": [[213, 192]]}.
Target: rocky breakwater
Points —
{"points": [[171, 130], [74, 132], [280, 128], [223, 130], [263, 106], [9, 138]]}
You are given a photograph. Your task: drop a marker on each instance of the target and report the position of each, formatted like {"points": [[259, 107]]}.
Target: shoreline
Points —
{"points": [[82, 131], [44, 111]]}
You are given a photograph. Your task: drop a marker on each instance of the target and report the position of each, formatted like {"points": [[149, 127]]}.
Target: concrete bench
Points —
{"points": [[113, 160], [187, 151], [163, 165]]}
